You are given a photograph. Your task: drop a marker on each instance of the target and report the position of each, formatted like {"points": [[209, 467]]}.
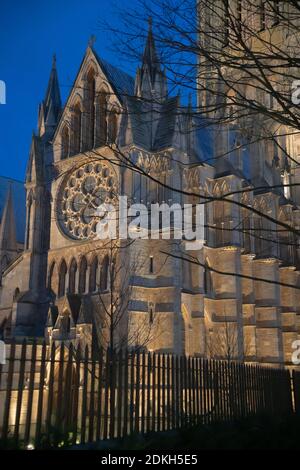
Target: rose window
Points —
{"points": [[80, 196]]}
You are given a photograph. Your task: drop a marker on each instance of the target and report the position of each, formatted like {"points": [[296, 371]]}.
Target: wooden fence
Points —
{"points": [[44, 389]]}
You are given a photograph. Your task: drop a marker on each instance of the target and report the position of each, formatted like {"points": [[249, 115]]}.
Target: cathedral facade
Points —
{"points": [[114, 136]]}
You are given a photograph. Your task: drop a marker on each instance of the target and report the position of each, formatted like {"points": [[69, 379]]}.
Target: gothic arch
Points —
{"points": [[93, 274], [16, 294], [91, 69], [245, 199], [221, 216], [82, 275], [72, 277], [30, 198], [225, 188], [65, 142], [51, 275], [62, 278], [101, 118], [90, 105], [113, 125], [104, 274], [216, 190], [208, 280], [77, 126]]}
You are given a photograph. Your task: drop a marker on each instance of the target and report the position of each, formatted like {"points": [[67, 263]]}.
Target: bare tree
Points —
{"points": [[224, 342], [115, 328]]}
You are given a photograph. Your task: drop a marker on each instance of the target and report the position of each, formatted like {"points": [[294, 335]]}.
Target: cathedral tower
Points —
{"points": [[8, 240], [33, 301]]}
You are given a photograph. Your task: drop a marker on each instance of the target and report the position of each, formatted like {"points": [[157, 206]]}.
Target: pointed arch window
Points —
{"points": [[62, 279], [151, 264], [72, 277], [91, 112], [101, 128], [222, 216], [93, 275], [77, 128], [82, 276], [112, 126], [65, 143], [208, 284], [151, 309], [50, 276], [104, 274], [28, 226]]}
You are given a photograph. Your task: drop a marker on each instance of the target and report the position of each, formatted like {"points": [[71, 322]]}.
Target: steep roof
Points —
{"points": [[121, 81], [19, 203], [146, 132], [52, 96]]}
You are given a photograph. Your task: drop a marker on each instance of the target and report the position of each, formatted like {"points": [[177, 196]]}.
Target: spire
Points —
{"points": [[35, 168], [150, 79], [8, 239], [92, 41], [150, 57], [51, 105]]}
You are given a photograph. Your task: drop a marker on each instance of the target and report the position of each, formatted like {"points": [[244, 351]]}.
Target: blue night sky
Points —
{"points": [[30, 32]]}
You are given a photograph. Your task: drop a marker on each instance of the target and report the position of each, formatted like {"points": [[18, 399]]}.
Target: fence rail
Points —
{"points": [[44, 389]]}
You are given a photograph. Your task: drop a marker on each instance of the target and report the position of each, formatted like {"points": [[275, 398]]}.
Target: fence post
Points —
{"points": [[149, 411], [20, 391], [41, 395], [137, 393], [9, 383], [181, 391], [158, 391], [76, 395], [164, 389], [296, 391], [125, 425], [131, 402], [153, 392], [30, 394], [143, 390], [112, 386], [67, 395], [84, 395], [120, 393], [168, 393]]}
